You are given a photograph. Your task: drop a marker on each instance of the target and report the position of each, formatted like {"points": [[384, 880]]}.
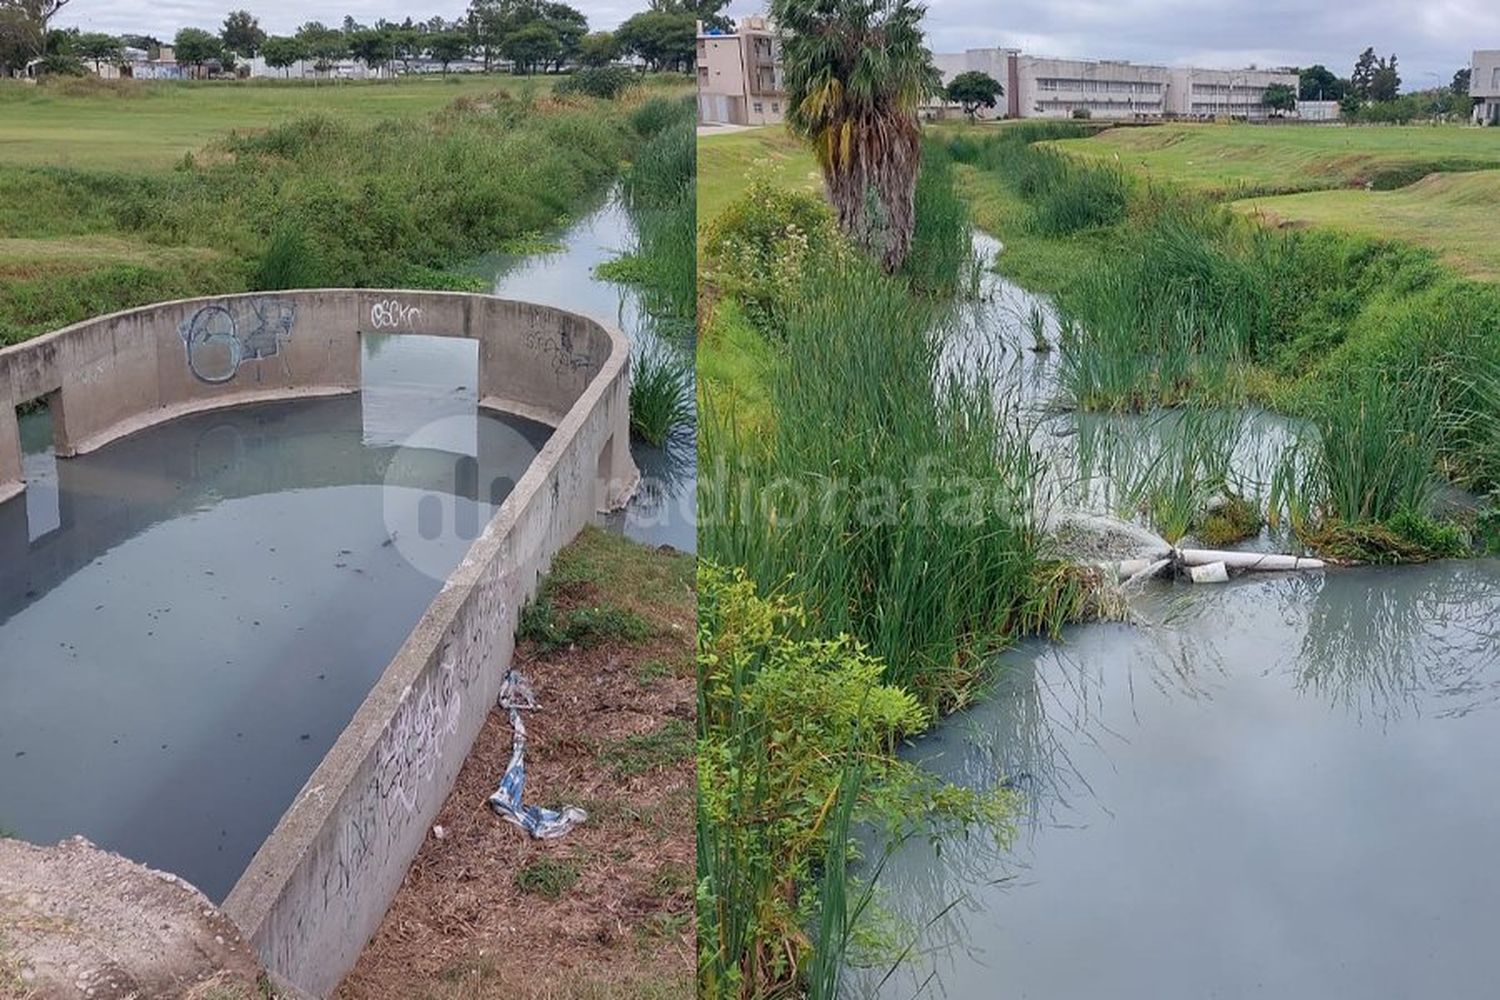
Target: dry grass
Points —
{"points": [[604, 912]]}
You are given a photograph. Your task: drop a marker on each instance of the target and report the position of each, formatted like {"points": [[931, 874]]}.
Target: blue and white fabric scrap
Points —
{"points": [[543, 824]]}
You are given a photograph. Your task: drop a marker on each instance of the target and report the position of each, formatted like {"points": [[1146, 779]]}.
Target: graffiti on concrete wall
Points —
{"points": [[221, 337], [417, 756], [558, 347], [391, 314]]}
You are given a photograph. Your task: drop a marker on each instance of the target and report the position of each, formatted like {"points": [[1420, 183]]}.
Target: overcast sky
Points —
{"points": [[1431, 37]]}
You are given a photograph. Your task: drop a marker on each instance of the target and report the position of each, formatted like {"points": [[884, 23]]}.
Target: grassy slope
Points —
{"points": [[1316, 176], [732, 356], [1453, 214], [1226, 158], [725, 163], [148, 126], [424, 186]]}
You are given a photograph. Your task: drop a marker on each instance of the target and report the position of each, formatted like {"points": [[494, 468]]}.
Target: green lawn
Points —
{"points": [[1228, 159], [1454, 214], [147, 126], [725, 163]]}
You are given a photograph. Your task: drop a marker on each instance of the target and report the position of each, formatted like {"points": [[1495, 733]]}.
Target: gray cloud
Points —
{"points": [[162, 18], [1432, 38]]}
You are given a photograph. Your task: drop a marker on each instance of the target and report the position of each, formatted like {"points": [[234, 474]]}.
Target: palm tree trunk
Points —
{"points": [[872, 186]]}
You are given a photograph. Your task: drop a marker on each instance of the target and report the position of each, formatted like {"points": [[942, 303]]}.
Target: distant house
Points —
{"points": [[739, 74], [1484, 86], [139, 64]]}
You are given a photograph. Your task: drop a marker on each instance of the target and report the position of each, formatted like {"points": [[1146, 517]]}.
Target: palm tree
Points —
{"points": [[855, 72]]}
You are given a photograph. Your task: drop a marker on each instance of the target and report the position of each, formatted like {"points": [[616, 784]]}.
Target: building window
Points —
{"points": [[757, 106], [775, 107]]}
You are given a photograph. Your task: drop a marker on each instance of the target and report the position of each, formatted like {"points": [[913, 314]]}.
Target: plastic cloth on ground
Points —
{"points": [[544, 824]]}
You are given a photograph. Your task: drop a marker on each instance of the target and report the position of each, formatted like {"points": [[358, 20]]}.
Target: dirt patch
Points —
{"points": [[606, 911], [80, 922]]}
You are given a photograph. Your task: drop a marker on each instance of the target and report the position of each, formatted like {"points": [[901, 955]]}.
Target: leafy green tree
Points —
{"points": [[194, 47], [488, 26], [406, 44], [1317, 83], [569, 25], [1280, 97], [855, 72], [973, 90], [371, 46], [1460, 84], [242, 34], [598, 49], [530, 45], [281, 52], [1386, 84], [1363, 76], [323, 45], [99, 48], [447, 47], [665, 39]]}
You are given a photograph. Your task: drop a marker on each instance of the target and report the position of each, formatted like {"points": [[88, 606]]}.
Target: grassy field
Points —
{"points": [[290, 185], [1452, 214], [142, 126], [1228, 159], [725, 164]]}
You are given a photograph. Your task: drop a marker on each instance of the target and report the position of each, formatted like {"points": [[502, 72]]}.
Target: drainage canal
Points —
{"points": [[190, 616]]}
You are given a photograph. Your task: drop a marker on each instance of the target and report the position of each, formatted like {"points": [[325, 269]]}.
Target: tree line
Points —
{"points": [[529, 35], [1372, 91]]}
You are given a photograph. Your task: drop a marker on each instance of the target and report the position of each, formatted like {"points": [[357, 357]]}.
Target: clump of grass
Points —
{"points": [[547, 878], [290, 261], [1232, 520], [642, 753], [661, 393], [552, 628], [913, 526], [941, 259], [658, 113], [1361, 489]]}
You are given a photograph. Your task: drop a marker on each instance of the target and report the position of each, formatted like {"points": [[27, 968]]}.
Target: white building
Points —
{"points": [[1319, 111], [1113, 89], [1484, 86]]}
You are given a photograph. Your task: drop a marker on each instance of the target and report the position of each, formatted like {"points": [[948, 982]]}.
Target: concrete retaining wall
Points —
{"points": [[320, 884]]}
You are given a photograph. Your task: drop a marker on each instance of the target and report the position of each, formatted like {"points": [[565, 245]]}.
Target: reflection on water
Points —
{"points": [[1283, 788], [218, 596], [1278, 787], [665, 511]]}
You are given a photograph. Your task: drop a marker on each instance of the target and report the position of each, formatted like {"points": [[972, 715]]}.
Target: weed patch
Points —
{"points": [[546, 878], [643, 753]]}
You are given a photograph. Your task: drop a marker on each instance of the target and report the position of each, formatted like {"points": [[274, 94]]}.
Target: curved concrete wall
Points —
{"points": [[319, 886]]}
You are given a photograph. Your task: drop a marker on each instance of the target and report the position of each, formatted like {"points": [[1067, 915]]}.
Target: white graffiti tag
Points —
{"points": [[388, 314]]}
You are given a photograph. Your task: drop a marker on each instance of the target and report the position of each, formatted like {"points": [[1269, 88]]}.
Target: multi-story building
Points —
{"points": [[1037, 87], [1484, 86], [739, 74]]}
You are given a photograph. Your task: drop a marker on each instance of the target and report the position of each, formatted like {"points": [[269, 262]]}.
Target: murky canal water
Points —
{"points": [[664, 512], [1281, 787], [190, 616], [1278, 787]]}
